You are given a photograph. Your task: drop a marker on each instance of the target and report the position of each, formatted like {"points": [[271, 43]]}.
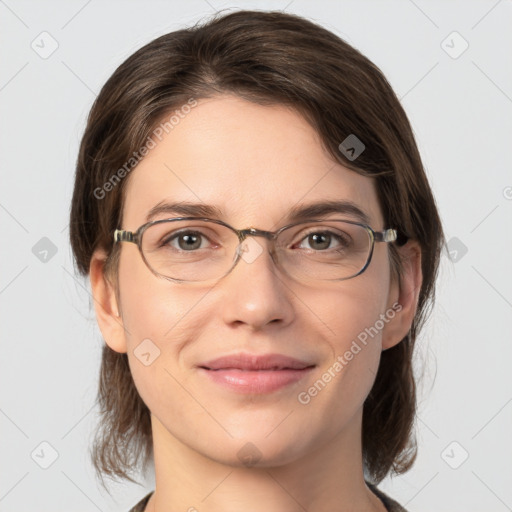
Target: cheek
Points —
{"points": [[354, 308], [151, 306], [352, 313], [160, 319], [152, 325], [338, 389]]}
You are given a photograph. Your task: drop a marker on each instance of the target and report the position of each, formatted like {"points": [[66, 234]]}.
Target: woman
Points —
{"points": [[262, 245]]}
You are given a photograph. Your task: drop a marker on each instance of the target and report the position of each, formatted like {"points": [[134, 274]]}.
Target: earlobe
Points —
{"points": [[106, 307], [404, 295]]}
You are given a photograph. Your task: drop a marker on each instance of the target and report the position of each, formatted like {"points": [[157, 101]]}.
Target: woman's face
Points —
{"points": [[254, 163]]}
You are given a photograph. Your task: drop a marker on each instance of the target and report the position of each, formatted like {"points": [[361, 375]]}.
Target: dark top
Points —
{"points": [[390, 504]]}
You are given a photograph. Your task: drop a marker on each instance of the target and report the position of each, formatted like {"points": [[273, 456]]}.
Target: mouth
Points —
{"points": [[250, 362], [256, 374]]}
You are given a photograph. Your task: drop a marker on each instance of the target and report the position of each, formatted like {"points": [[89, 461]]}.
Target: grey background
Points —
{"points": [[461, 111]]}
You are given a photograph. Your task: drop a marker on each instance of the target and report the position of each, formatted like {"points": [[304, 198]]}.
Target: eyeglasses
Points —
{"points": [[200, 249]]}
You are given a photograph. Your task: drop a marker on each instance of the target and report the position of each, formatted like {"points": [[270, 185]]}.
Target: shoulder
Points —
{"points": [[390, 504], [142, 504]]}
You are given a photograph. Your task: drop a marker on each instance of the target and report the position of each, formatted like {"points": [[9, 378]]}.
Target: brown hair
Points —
{"points": [[267, 58]]}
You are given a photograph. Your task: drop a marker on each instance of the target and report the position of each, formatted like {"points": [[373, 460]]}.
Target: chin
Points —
{"points": [[258, 450]]}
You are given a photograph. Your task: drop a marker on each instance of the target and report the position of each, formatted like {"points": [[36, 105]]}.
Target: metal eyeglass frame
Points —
{"points": [[386, 236]]}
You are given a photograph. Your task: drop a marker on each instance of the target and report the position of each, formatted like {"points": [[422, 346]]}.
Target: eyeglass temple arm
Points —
{"points": [[120, 235], [388, 235], [391, 235]]}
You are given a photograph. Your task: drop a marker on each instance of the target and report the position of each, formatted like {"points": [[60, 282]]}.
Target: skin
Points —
{"points": [[255, 162]]}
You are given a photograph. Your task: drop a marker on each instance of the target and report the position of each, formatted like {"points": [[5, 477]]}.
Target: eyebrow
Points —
{"points": [[298, 213]]}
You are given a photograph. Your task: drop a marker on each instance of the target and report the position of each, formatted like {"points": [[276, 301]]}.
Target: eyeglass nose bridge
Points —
{"points": [[243, 235]]}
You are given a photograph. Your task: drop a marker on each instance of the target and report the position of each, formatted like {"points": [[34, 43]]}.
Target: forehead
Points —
{"points": [[254, 163]]}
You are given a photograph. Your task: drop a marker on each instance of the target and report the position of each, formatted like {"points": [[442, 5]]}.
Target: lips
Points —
{"points": [[248, 362], [255, 374]]}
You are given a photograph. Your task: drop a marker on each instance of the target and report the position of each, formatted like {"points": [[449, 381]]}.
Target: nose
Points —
{"points": [[256, 292]]}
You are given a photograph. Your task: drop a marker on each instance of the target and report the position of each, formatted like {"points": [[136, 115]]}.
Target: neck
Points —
{"points": [[328, 478]]}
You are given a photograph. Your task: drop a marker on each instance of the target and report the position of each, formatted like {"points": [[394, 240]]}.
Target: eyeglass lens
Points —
{"points": [[195, 250]]}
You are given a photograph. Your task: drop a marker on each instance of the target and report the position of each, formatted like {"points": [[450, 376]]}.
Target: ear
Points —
{"points": [[106, 305], [404, 294]]}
